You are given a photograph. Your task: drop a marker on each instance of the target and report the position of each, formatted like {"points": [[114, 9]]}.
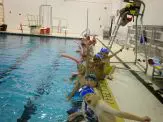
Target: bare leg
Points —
{"points": [[76, 88]]}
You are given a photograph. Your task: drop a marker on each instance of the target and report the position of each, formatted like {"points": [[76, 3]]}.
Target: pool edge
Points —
{"points": [[38, 35]]}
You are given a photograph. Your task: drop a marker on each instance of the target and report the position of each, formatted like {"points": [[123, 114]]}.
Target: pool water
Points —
{"points": [[34, 78]]}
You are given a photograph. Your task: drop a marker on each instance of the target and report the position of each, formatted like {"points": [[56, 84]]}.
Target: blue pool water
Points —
{"points": [[34, 78]]}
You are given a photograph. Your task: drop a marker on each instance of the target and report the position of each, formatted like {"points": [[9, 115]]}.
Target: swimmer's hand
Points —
{"points": [[78, 51], [146, 119], [68, 98]]}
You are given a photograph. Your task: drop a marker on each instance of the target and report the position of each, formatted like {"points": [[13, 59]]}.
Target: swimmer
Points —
{"points": [[86, 112], [109, 70], [97, 67], [89, 80], [103, 111], [80, 80]]}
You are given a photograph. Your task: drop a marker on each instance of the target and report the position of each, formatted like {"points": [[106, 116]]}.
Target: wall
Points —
{"points": [[73, 11], [153, 13]]}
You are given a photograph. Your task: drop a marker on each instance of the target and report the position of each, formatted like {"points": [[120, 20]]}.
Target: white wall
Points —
{"points": [[15, 7], [73, 11], [154, 12], [152, 16]]}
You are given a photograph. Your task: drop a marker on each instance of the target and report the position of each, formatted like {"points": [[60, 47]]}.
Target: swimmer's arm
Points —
{"points": [[110, 56], [130, 116], [75, 89], [115, 53], [120, 114]]}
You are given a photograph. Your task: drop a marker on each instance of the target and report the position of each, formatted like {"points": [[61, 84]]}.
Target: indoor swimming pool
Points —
{"points": [[34, 78]]}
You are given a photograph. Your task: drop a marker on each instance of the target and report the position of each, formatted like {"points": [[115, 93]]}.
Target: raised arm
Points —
{"points": [[105, 107], [116, 52], [75, 89], [133, 117]]}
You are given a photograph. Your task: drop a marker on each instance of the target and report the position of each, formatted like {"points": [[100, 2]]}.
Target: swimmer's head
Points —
{"points": [[92, 99], [88, 37], [91, 77], [94, 41], [97, 57], [85, 90], [104, 50], [89, 96], [91, 80], [83, 44]]}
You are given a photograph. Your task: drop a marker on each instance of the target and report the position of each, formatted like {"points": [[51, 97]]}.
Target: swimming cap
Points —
{"points": [[91, 77], [85, 90], [97, 56], [104, 50]]}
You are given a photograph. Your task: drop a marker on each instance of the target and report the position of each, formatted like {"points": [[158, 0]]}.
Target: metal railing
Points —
{"points": [[154, 45]]}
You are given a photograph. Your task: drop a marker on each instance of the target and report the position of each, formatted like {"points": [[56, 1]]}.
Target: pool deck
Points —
{"points": [[131, 95], [55, 35]]}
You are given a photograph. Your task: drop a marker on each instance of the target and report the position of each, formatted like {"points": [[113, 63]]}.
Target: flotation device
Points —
{"points": [[70, 57], [107, 95]]}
